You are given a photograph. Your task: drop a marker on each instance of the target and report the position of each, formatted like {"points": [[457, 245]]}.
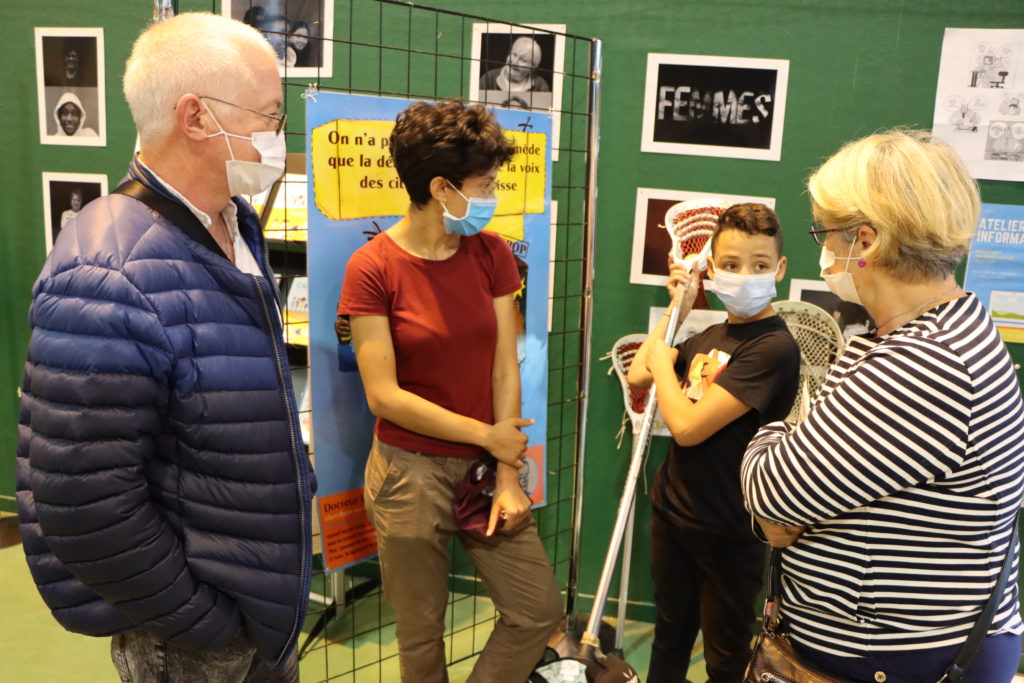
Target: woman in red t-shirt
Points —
{"points": [[431, 306]]}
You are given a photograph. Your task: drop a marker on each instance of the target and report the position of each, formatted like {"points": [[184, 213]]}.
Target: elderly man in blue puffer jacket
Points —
{"points": [[163, 488]]}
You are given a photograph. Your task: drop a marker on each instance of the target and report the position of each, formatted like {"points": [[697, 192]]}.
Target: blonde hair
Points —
{"points": [[194, 52], [913, 189]]}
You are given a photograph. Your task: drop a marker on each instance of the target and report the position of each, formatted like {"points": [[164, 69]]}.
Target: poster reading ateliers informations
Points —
{"points": [[995, 267], [979, 100], [356, 195]]}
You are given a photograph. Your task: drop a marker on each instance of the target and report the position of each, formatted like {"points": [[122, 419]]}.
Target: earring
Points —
{"points": [[861, 263]]}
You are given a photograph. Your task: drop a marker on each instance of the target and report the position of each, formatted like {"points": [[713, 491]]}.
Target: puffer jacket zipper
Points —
{"points": [[300, 478]]}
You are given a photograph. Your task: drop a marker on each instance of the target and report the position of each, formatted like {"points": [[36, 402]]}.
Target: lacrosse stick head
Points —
{"points": [[691, 224], [820, 340], [622, 358]]}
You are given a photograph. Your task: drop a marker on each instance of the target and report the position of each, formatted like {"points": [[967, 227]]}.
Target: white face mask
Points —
{"points": [[253, 177], [743, 295], [841, 284]]}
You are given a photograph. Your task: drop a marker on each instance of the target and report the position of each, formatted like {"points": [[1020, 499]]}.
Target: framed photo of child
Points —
{"points": [[64, 195]]}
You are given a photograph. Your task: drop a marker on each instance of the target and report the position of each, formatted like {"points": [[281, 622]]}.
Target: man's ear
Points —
{"points": [[188, 114], [781, 272]]}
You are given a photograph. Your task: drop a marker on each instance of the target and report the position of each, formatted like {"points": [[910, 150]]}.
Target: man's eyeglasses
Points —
{"points": [[279, 118]]}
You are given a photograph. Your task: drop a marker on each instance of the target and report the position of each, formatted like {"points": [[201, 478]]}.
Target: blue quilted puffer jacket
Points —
{"points": [[162, 483]]}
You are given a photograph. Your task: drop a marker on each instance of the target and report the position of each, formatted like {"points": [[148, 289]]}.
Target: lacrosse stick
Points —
{"points": [[820, 340], [690, 225], [691, 221], [635, 399]]}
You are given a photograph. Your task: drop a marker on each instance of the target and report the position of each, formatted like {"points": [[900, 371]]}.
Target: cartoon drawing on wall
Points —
{"points": [[1005, 141], [993, 66], [1010, 106], [963, 118], [70, 86], [978, 100]]}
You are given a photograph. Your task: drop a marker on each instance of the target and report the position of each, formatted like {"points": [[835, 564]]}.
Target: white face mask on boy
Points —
{"points": [[743, 295]]}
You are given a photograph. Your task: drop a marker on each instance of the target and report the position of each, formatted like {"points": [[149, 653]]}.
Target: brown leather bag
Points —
{"points": [[774, 659]]}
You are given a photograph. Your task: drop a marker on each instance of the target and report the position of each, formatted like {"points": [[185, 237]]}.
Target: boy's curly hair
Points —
{"points": [[753, 219]]}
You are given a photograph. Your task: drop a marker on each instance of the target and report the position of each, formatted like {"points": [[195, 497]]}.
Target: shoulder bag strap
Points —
{"points": [[970, 647], [176, 213], [773, 601]]}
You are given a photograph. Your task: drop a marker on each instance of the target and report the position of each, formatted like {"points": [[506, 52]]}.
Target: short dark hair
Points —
{"points": [[753, 219], [447, 139]]}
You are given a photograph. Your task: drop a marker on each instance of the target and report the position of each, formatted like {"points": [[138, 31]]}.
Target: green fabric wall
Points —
{"points": [[855, 66]]}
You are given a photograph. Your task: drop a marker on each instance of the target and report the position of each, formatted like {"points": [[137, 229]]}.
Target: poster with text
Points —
{"points": [[715, 106], [979, 98], [357, 194], [995, 267]]}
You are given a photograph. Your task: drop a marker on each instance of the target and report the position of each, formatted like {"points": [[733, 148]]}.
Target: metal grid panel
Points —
{"points": [[391, 48]]}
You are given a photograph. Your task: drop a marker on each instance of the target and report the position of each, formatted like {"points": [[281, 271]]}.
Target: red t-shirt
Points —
{"points": [[441, 315]]}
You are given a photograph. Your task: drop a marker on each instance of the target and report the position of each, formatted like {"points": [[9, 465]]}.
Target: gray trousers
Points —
{"points": [[141, 658], [409, 499]]}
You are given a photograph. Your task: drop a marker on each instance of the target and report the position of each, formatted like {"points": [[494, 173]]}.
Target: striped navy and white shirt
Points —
{"points": [[908, 472]]}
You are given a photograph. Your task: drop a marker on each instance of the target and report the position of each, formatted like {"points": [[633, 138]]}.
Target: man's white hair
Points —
{"points": [[194, 52]]}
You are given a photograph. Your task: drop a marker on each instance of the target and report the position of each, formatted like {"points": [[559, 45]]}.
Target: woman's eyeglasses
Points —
{"points": [[820, 234]]}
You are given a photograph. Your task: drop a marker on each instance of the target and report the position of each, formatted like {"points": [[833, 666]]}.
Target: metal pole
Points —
{"points": [[640, 444], [163, 10], [624, 569], [593, 143]]}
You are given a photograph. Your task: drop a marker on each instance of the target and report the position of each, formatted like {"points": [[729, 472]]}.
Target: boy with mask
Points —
{"points": [[736, 376]]}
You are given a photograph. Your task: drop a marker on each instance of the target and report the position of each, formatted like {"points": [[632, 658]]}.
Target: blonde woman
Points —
{"points": [[906, 477]]}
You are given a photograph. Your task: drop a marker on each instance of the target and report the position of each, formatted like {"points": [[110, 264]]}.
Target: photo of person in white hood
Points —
{"points": [[70, 117]]}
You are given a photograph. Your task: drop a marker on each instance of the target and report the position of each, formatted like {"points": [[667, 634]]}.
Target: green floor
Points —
{"points": [[35, 648]]}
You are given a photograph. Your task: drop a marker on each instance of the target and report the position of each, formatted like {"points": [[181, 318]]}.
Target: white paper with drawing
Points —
{"points": [[979, 100]]}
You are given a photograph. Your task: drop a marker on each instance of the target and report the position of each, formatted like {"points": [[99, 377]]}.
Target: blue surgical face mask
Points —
{"points": [[479, 212]]}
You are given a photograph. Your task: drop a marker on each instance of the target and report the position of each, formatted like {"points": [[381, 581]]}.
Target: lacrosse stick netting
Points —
{"points": [[820, 341]]}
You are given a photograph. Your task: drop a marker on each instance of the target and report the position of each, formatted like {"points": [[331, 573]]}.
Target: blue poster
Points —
{"points": [[995, 267], [356, 194]]}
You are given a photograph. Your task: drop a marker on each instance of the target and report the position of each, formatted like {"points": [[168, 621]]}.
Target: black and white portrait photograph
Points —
{"points": [[70, 86], [300, 31], [715, 106], [519, 68], [64, 195], [651, 241], [853, 319]]}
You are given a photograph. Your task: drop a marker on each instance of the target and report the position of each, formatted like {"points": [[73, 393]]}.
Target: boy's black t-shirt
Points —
{"points": [[698, 487]]}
